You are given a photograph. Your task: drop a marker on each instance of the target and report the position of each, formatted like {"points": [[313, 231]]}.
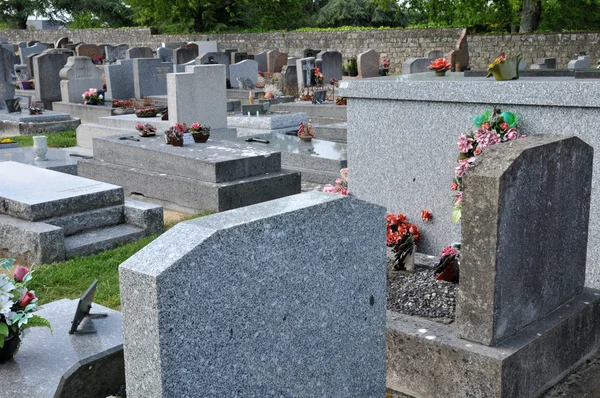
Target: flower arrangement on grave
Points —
{"points": [[317, 77], [200, 132], [146, 112], [93, 97], [448, 267], [17, 305], [341, 101], [491, 129], [341, 184], [36, 110], [440, 66], [402, 237], [384, 66], [146, 130], [426, 215], [123, 104], [306, 133], [505, 68], [272, 91], [174, 135], [98, 60], [6, 141]]}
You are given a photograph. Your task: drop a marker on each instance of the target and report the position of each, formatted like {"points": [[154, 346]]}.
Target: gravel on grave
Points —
{"points": [[418, 293]]}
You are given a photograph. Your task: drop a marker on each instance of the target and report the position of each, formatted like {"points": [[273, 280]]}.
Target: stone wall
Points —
{"points": [[398, 45]]}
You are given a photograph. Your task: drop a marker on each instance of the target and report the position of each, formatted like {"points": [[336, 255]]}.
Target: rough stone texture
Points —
{"points": [[46, 68], [544, 63], [150, 77], [7, 88], [415, 65], [10, 129], [247, 68], [88, 131], [187, 105], [368, 64], [144, 215], [60, 365], [119, 80], [139, 52], [58, 160], [269, 327], [88, 50], [516, 266], [30, 242], [85, 113], [78, 75], [267, 122], [96, 218]]}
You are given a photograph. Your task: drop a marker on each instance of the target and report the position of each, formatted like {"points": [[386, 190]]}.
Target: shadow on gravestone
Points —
{"points": [[150, 77], [282, 318]]}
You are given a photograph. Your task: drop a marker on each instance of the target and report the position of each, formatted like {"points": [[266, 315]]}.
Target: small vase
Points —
{"points": [[200, 137], [11, 346], [305, 138], [440, 73], [40, 147]]}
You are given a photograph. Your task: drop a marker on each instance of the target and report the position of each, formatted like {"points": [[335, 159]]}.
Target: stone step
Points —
{"points": [[91, 219], [329, 110], [87, 132], [131, 120], [97, 240], [336, 132], [325, 120]]}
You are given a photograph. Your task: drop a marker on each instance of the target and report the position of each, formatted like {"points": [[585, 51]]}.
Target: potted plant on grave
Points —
{"points": [[174, 135], [341, 101], [272, 91], [402, 236], [384, 66], [123, 107], [17, 305], [505, 68], [146, 112], [146, 130], [448, 267], [6, 143], [341, 184], [200, 132], [440, 66], [307, 133], [93, 97]]}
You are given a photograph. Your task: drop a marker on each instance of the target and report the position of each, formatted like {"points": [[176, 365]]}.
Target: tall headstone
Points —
{"points": [[304, 70], [183, 55], [261, 58], [139, 52], [150, 77], [78, 76], [284, 320], [115, 53], [164, 54], [7, 88], [582, 62], [368, 64], [46, 67], [29, 63], [275, 61], [119, 80], [35, 49], [88, 50], [247, 68], [460, 54], [198, 95], [331, 65], [214, 58], [516, 265]]}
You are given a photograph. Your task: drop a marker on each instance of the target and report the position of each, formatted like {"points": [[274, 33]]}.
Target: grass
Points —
{"points": [[69, 279], [63, 139]]}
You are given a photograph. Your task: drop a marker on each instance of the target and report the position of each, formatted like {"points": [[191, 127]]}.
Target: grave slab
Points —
{"points": [[58, 160], [289, 122]]}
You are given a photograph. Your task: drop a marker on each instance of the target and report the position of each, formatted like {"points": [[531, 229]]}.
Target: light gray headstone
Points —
{"points": [[261, 58], [198, 95], [139, 52], [517, 266], [46, 67], [206, 46], [164, 54], [7, 88], [368, 64], [35, 49], [181, 67], [173, 45], [331, 65], [415, 65], [582, 62], [78, 76], [119, 80], [150, 76], [278, 312], [114, 53], [247, 68], [435, 54], [214, 58]]}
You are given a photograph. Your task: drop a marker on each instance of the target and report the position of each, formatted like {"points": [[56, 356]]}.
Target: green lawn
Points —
{"points": [[55, 140]]}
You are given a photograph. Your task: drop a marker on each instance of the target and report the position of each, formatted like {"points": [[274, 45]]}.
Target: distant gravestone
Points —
{"points": [[275, 61], [310, 53], [230, 51], [304, 71], [261, 58], [435, 54], [35, 49], [214, 58], [582, 62], [139, 52], [115, 53], [206, 46], [103, 49], [460, 54], [60, 43], [173, 45], [331, 65], [415, 65], [368, 64], [247, 68], [260, 334], [164, 54], [184, 55], [186, 106], [180, 68], [509, 280], [88, 50], [236, 57], [78, 76], [47, 67], [150, 77], [119, 80], [29, 63], [7, 88], [292, 61], [544, 63], [289, 76]]}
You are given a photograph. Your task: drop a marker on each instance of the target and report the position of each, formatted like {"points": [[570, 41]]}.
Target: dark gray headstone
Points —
{"points": [[164, 54], [331, 65], [150, 77], [114, 53], [35, 49], [139, 52], [214, 58], [46, 67], [289, 76], [275, 61], [119, 80], [183, 55], [261, 58], [7, 89]]}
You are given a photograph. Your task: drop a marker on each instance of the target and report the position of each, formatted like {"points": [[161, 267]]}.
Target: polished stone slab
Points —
{"points": [[58, 159], [60, 365], [33, 194], [25, 117]]}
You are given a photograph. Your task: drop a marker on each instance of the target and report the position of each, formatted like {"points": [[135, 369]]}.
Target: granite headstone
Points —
{"points": [[261, 58], [88, 50], [247, 68], [275, 61], [7, 88], [46, 67], [150, 77], [115, 53], [139, 52], [78, 75], [119, 80], [35, 49], [331, 65], [368, 64]]}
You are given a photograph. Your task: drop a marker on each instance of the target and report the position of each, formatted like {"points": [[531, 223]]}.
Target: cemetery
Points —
{"points": [[219, 219]]}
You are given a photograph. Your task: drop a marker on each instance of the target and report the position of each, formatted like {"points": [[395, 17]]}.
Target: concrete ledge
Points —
{"points": [[426, 359], [87, 113], [87, 132], [144, 215], [328, 110], [31, 242]]}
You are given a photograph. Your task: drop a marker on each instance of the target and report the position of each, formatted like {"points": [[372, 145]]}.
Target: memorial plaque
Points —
{"points": [[83, 311]]}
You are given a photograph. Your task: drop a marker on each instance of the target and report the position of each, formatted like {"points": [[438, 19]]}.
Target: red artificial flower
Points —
{"points": [[426, 215], [20, 273], [504, 126], [477, 151], [440, 64], [454, 187], [26, 299]]}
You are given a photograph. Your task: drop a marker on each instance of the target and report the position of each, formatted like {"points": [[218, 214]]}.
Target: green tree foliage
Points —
{"points": [[15, 12], [560, 15], [360, 13]]}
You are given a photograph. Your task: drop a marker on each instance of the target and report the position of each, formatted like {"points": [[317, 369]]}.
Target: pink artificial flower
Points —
{"points": [[487, 138], [454, 187], [511, 134], [338, 180], [329, 188], [477, 151], [458, 198], [522, 136], [465, 144], [504, 126], [463, 165], [449, 251], [485, 126]]}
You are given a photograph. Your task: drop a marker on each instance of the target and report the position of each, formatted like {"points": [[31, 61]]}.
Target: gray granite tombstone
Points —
{"points": [[582, 62], [119, 80], [29, 63], [7, 88], [150, 77], [230, 51], [261, 58], [206, 46], [35, 49], [368, 64], [88, 50], [304, 70], [164, 54], [283, 318], [331, 65], [183, 55], [236, 57], [415, 65], [292, 61], [46, 67], [114, 53], [213, 58], [139, 52], [247, 68], [78, 75], [275, 61]]}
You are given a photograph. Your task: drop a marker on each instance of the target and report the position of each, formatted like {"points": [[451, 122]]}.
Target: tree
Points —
{"points": [[530, 16], [359, 13], [15, 12]]}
